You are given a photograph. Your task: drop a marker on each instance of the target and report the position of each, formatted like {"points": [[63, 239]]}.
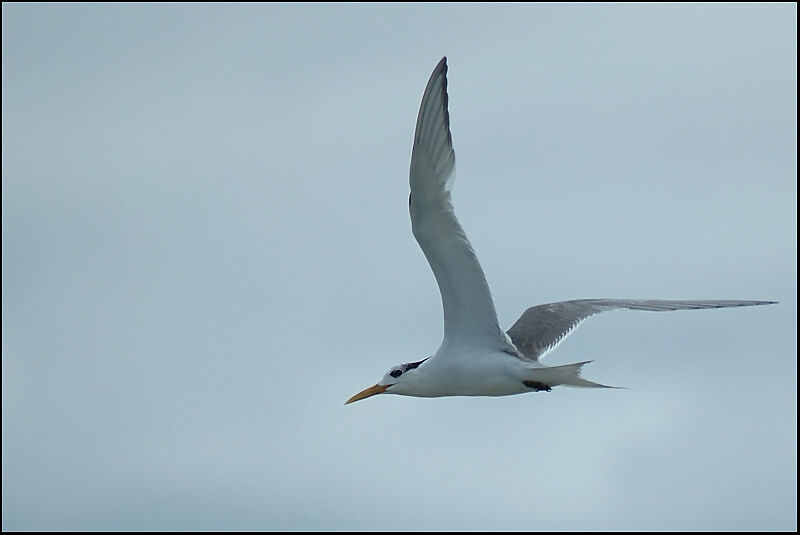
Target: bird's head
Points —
{"points": [[396, 381]]}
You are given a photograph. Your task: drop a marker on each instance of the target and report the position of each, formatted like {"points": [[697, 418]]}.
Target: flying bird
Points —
{"points": [[476, 358]]}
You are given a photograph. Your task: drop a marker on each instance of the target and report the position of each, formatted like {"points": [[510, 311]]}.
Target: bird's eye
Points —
{"points": [[396, 373]]}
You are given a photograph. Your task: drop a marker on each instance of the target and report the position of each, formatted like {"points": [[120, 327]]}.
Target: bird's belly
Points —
{"points": [[495, 386], [487, 375]]}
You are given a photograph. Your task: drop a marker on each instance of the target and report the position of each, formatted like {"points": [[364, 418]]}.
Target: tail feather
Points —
{"points": [[567, 375]]}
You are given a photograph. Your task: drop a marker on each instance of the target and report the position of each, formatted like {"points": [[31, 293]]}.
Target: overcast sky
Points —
{"points": [[206, 250]]}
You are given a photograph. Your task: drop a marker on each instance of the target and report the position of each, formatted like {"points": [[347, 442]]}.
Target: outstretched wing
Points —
{"points": [[469, 313], [541, 328]]}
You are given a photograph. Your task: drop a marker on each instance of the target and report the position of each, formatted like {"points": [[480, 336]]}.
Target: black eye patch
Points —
{"points": [[396, 373]]}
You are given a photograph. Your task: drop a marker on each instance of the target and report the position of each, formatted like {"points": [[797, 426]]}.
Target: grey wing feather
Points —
{"points": [[469, 313], [541, 328], [432, 156]]}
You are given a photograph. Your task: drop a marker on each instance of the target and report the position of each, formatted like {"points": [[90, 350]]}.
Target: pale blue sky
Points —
{"points": [[206, 251]]}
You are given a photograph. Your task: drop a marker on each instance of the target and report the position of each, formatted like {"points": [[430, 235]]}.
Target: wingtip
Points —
{"points": [[441, 66]]}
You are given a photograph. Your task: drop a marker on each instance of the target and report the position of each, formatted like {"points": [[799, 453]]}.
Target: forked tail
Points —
{"points": [[567, 375]]}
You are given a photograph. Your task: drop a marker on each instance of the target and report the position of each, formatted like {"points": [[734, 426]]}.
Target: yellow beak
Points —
{"points": [[368, 392]]}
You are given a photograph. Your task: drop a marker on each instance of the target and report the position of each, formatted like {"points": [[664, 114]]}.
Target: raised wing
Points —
{"points": [[469, 314], [541, 328]]}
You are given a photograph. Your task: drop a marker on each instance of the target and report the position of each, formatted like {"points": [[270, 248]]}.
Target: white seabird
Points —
{"points": [[476, 358]]}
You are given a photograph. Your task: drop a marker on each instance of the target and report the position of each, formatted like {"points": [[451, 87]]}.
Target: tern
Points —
{"points": [[476, 358]]}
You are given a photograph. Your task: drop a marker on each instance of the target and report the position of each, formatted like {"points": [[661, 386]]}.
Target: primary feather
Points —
{"points": [[541, 328]]}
